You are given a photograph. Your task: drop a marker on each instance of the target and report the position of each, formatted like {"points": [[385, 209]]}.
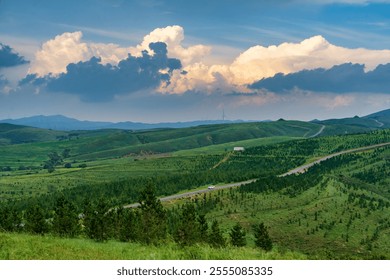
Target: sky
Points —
{"points": [[172, 60]]}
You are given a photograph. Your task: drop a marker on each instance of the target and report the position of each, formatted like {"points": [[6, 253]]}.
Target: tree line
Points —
{"points": [[150, 223]]}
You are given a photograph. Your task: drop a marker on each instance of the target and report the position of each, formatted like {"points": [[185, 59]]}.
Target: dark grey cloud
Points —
{"points": [[338, 79], [95, 82], [9, 58], [33, 79]]}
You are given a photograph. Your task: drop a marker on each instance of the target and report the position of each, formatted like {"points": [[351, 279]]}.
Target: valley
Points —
{"points": [[338, 209]]}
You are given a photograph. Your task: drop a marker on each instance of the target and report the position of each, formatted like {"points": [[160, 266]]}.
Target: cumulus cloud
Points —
{"points": [[338, 79], [256, 63], [9, 58], [200, 77], [55, 54], [260, 62], [173, 36], [94, 82]]}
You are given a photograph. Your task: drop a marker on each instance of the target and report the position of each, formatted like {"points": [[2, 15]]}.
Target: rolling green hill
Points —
{"points": [[17, 134], [382, 118], [379, 120], [339, 209], [92, 145]]}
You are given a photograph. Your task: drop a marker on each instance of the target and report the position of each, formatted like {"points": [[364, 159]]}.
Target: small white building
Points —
{"points": [[238, 149]]}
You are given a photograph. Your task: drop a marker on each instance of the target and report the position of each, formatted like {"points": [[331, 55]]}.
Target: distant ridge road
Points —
{"points": [[319, 132]]}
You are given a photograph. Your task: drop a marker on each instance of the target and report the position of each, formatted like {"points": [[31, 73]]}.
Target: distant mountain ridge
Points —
{"points": [[60, 122], [369, 120]]}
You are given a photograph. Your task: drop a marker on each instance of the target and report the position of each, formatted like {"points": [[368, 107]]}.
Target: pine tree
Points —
{"points": [[153, 218], [66, 218], [97, 220], [10, 218], [188, 230], [203, 227], [126, 224], [237, 236], [215, 237], [35, 221], [262, 238]]}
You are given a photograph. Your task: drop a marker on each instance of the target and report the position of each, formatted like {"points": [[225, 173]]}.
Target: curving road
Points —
{"points": [[304, 168], [379, 123], [176, 196], [319, 132], [300, 169]]}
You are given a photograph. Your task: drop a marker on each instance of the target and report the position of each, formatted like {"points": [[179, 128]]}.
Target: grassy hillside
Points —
{"points": [[32, 247], [382, 118], [16, 134], [379, 120], [339, 209], [27, 177], [93, 145]]}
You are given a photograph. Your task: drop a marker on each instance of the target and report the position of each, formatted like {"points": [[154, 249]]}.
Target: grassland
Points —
{"points": [[340, 212], [30, 247], [119, 155]]}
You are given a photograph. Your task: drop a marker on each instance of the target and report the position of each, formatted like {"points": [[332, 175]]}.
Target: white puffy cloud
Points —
{"points": [[261, 62], [202, 78], [173, 36], [57, 53]]}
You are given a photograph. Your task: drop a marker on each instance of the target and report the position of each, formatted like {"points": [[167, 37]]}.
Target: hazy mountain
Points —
{"points": [[59, 122]]}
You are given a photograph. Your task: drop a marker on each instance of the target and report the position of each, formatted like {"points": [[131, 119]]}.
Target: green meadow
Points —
{"points": [[339, 209]]}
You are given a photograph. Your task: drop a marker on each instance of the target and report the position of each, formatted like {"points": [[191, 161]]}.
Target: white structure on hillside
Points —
{"points": [[238, 149]]}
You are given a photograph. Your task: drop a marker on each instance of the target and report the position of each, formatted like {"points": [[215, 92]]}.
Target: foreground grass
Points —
{"points": [[31, 247]]}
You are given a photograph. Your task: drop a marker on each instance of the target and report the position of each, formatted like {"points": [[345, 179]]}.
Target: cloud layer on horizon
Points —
{"points": [[344, 78], [69, 47], [252, 65]]}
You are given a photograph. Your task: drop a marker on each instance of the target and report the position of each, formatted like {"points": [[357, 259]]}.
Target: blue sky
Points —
{"points": [[255, 59]]}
